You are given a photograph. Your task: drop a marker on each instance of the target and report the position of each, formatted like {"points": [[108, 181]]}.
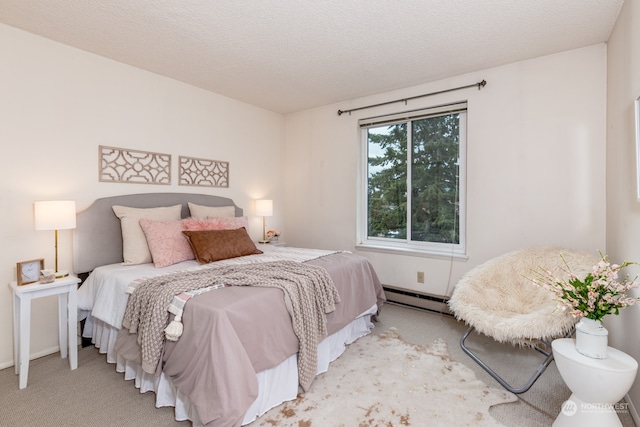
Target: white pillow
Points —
{"points": [[134, 243], [199, 211]]}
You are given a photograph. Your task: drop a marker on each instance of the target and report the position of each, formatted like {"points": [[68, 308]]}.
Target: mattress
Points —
{"points": [[104, 296]]}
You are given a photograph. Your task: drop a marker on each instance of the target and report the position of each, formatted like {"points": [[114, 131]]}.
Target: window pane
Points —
{"points": [[435, 177], [387, 181]]}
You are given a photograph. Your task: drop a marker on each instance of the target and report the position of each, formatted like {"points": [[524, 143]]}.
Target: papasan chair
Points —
{"points": [[499, 299]]}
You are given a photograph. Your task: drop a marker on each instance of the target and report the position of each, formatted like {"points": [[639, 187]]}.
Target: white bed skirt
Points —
{"points": [[276, 385]]}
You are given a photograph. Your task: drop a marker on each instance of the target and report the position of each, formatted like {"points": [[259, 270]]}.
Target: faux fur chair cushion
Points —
{"points": [[499, 300]]}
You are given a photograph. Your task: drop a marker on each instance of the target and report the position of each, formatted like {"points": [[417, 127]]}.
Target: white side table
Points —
{"points": [[67, 291], [271, 244]]}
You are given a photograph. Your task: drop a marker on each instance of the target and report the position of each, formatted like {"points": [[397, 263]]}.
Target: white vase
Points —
{"points": [[591, 338]]}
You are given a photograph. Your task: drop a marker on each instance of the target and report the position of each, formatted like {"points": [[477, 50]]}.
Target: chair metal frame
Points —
{"points": [[527, 385]]}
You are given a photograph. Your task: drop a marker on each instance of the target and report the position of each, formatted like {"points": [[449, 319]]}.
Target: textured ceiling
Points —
{"points": [[290, 55]]}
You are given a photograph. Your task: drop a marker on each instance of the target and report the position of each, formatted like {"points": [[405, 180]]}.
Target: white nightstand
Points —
{"points": [[271, 244], [67, 291]]}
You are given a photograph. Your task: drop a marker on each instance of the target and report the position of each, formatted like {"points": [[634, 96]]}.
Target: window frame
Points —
{"points": [[408, 246]]}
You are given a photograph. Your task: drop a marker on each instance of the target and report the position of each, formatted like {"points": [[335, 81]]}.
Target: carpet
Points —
{"points": [[381, 380]]}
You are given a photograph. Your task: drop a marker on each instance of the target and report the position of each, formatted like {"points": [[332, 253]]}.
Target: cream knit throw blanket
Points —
{"points": [[309, 295]]}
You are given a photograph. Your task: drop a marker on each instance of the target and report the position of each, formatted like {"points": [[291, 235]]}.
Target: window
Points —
{"points": [[413, 192]]}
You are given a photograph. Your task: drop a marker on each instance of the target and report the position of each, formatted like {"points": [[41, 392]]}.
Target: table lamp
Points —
{"points": [[264, 208], [55, 215]]}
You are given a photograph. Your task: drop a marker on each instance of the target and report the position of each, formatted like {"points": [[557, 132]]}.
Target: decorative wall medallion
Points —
{"points": [[133, 166], [203, 172]]}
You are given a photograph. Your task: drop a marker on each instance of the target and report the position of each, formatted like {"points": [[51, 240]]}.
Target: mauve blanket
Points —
{"points": [[232, 333], [309, 295]]}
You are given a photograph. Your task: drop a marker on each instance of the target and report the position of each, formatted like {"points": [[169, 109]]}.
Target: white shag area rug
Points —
{"points": [[383, 381]]}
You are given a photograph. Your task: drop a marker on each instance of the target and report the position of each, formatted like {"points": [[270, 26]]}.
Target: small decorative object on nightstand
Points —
{"points": [[273, 235], [29, 271], [48, 276], [67, 290]]}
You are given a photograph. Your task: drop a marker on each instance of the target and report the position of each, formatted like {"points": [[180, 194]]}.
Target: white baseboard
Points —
{"points": [[32, 356]]}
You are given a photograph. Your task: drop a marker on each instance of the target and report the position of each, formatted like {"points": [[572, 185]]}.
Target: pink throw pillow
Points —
{"points": [[166, 242], [215, 223], [169, 246]]}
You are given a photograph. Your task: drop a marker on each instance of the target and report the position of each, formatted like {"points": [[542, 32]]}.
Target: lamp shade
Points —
{"points": [[264, 207], [55, 215]]}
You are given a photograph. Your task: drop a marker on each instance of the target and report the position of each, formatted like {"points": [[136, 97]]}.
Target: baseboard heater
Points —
{"points": [[417, 300]]}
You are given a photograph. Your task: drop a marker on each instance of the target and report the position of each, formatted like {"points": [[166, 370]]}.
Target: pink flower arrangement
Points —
{"points": [[598, 294], [272, 233]]}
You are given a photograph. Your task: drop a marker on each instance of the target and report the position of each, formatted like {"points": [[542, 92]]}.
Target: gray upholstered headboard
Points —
{"points": [[97, 238]]}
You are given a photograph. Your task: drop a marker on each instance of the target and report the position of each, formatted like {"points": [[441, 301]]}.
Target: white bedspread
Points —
{"points": [[104, 295]]}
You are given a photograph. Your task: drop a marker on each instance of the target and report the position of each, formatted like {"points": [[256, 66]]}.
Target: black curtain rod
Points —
{"points": [[479, 85]]}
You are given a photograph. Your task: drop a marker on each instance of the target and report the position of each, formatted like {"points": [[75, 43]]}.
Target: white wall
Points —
{"points": [[536, 157], [623, 210], [536, 165], [58, 104]]}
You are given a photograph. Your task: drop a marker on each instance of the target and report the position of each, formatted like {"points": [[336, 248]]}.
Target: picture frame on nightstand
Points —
{"points": [[29, 271]]}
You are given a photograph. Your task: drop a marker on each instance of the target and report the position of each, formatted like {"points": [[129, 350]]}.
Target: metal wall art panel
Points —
{"points": [[134, 166], [203, 172]]}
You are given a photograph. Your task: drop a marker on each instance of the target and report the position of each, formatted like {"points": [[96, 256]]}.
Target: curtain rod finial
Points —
{"points": [[482, 84]]}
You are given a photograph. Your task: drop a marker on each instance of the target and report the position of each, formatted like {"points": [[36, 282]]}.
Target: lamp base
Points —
{"points": [[62, 273]]}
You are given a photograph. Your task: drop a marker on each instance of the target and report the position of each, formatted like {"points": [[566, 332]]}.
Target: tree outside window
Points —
{"points": [[424, 155]]}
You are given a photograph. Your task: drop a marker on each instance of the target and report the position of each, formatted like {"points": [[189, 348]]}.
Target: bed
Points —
{"points": [[238, 354]]}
